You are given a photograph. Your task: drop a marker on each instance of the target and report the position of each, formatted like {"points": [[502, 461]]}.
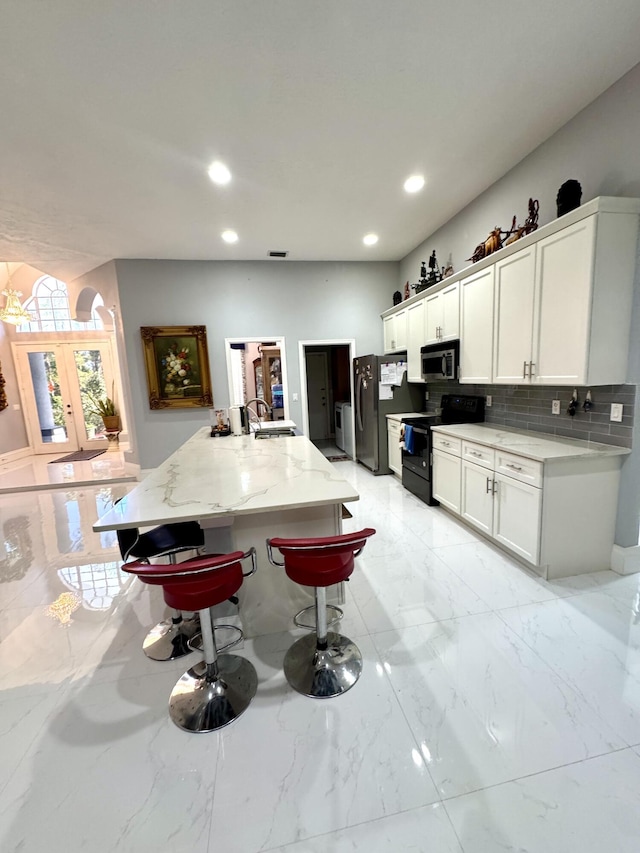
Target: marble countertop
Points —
{"points": [[534, 445], [214, 478], [398, 416]]}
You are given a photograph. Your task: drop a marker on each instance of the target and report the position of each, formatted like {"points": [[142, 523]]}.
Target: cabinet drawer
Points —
{"points": [[479, 454], [520, 468], [446, 443], [393, 426]]}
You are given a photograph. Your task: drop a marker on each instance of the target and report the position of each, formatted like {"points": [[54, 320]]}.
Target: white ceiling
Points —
{"points": [[112, 111]]}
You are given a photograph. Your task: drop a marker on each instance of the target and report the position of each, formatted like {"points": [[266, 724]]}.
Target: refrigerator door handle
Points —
{"points": [[359, 403]]}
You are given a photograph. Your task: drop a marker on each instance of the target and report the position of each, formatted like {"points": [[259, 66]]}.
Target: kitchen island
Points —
{"points": [[243, 490]]}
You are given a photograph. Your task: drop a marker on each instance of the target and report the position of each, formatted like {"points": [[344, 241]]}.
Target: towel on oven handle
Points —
{"points": [[408, 438]]}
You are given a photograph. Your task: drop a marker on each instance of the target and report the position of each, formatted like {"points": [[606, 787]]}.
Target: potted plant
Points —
{"points": [[106, 408]]}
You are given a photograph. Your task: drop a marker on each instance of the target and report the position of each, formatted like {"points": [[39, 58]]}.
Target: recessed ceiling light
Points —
{"points": [[229, 236], [414, 184], [219, 173], [370, 239]]}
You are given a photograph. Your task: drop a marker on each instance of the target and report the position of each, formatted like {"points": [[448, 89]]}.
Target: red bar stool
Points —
{"points": [[323, 664], [218, 689], [170, 638]]}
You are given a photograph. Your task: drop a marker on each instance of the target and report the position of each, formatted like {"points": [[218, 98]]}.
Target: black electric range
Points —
{"points": [[417, 465]]}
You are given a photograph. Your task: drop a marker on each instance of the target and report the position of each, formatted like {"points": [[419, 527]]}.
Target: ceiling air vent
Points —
{"points": [[278, 254]]}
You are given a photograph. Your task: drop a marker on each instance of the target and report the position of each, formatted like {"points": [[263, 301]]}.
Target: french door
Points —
{"points": [[57, 382]]}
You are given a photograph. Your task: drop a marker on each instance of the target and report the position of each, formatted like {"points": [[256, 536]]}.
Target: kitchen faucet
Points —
{"points": [[255, 414]]}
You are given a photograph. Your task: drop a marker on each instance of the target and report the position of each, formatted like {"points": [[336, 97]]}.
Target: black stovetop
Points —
{"points": [[455, 409]]}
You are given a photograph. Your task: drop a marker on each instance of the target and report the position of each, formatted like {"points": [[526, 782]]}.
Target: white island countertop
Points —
{"points": [[534, 445], [213, 478]]}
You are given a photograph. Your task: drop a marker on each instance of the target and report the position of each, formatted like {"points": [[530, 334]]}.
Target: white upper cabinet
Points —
{"points": [[395, 331], [476, 327], [415, 340], [552, 309], [442, 314], [514, 300]]}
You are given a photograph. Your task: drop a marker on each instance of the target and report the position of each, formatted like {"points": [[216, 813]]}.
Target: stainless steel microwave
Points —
{"points": [[440, 361]]}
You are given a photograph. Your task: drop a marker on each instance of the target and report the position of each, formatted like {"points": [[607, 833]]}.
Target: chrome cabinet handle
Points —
{"points": [[489, 492], [524, 369], [513, 467], [474, 453], [531, 366], [494, 491], [445, 443]]}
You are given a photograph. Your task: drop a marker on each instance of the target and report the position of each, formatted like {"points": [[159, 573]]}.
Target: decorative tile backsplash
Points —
{"points": [[530, 408]]}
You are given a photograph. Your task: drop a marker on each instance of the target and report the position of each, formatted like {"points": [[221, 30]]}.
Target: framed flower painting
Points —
{"points": [[177, 364]]}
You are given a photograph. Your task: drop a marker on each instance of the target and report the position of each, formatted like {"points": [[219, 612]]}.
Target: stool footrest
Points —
{"points": [[195, 643], [311, 626]]}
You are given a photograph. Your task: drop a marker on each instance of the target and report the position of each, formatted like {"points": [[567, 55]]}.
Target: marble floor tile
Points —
{"points": [[436, 528], [110, 772], [483, 706], [593, 642], [425, 830], [410, 590], [495, 577], [302, 767], [591, 807]]}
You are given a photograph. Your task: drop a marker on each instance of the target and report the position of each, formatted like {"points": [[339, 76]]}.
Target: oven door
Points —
{"points": [[416, 466]]}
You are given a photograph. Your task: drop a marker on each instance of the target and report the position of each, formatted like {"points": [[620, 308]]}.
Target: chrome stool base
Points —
{"points": [[311, 626], [322, 674], [197, 645], [210, 696], [169, 640]]}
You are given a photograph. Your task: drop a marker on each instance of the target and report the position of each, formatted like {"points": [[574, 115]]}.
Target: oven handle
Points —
{"points": [[420, 430]]}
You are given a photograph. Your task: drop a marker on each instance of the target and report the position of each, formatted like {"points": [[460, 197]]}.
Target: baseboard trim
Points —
{"points": [[625, 561]]}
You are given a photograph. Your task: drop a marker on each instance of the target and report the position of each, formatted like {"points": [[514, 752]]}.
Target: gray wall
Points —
{"points": [[600, 147], [299, 301]]}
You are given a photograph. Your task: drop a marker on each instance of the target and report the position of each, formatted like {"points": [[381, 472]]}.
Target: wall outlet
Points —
{"points": [[489, 401], [616, 412], [294, 397], [426, 396], [555, 407]]}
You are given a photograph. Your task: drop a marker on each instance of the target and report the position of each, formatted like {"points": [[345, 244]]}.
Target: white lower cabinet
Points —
{"points": [[557, 515], [517, 515], [503, 508], [446, 479], [476, 505], [395, 452]]}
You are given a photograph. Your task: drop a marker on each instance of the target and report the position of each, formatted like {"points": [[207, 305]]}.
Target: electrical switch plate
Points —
{"points": [[294, 397], [426, 396], [616, 412], [489, 400], [555, 407]]}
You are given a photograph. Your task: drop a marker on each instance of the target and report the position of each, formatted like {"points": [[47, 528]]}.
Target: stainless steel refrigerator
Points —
{"points": [[370, 411]]}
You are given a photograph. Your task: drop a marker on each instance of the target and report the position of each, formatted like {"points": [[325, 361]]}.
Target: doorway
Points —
{"points": [[57, 383], [327, 395], [257, 369]]}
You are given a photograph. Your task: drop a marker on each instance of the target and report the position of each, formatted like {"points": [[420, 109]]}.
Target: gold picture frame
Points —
{"points": [[176, 359]]}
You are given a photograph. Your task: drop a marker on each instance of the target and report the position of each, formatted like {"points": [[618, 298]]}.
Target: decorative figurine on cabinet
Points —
{"points": [[397, 297], [407, 291], [490, 245], [447, 269], [530, 223], [569, 196]]}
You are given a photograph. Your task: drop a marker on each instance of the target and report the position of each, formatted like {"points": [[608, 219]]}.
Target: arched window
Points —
{"points": [[49, 307]]}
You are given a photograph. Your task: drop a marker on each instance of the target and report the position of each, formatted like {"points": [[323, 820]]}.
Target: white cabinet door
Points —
{"points": [[395, 453], [517, 516], [450, 298], [476, 499], [401, 329], [389, 333], [415, 340], [434, 318], [476, 327], [513, 334], [446, 479], [564, 276], [442, 315]]}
